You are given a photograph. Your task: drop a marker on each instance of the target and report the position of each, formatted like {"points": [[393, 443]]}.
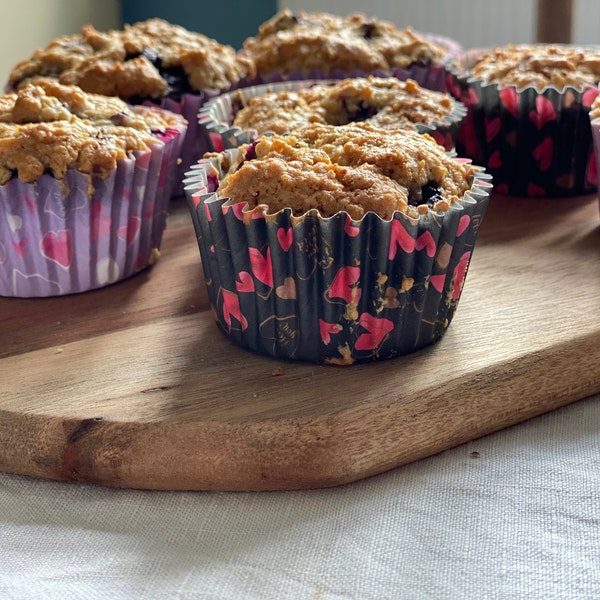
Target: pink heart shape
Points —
{"points": [[544, 112], [349, 229], [492, 128], [543, 153], [100, 225], [377, 329], [261, 266], [510, 101], [285, 238], [589, 96], [535, 190], [57, 246], [129, 232], [400, 237], [494, 161], [437, 281], [463, 223], [425, 240], [473, 97], [21, 247], [245, 283]]}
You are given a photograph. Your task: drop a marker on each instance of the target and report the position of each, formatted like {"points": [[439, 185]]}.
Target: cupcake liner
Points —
{"points": [[195, 143], [332, 290], [217, 115], [77, 234], [534, 144]]}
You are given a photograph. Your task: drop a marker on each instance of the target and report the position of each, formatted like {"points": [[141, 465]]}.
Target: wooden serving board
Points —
{"points": [[134, 385]]}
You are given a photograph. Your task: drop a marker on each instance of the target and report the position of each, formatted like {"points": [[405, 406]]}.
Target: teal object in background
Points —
{"points": [[226, 21]]}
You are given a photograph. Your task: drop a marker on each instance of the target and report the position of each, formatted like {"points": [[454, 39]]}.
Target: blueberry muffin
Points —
{"points": [[152, 61], [336, 244], [528, 117], [85, 182], [321, 45]]}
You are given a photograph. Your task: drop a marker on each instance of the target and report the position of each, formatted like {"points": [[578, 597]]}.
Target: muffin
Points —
{"points": [[85, 182], [150, 62], [239, 116], [336, 245], [528, 117], [320, 45]]}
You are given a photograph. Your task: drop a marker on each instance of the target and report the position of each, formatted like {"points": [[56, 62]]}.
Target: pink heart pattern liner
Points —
{"points": [[333, 290], [534, 144], [58, 238]]}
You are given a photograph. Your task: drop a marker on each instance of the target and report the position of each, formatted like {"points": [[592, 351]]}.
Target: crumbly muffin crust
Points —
{"points": [[385, 102], [539, 66], [354, 168], [319, 40], [50, 127], [149, 59]]}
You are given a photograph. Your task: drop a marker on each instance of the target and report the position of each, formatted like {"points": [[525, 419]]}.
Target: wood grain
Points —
{"points": [[134, 385]]}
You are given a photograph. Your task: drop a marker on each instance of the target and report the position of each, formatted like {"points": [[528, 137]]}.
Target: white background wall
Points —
{"points": [[30, 24]]}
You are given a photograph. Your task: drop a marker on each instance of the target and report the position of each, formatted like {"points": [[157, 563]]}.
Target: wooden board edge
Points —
{"points": [[303, 453]]}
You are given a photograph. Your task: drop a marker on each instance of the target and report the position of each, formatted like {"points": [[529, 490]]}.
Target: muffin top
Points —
{"points": [[355, 168], [384, 102], [539, 66], [51, 128], [305, 41], [150, 59]]}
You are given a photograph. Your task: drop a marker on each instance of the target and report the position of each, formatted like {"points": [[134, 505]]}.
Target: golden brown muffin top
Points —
{"points": [[384, 102], [136, 62], [539, 66], [354, 168], [320, 40], [51, 128]]}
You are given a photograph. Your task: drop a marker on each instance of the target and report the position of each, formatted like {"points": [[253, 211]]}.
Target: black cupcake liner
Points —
{"points": [[533, 143], [332, 290]]}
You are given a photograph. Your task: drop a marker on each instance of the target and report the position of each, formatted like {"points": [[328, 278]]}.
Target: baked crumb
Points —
{"points": [[149, 59], [49, 127], [304, 41], [383, 101], [355, 168], [539, 66]]}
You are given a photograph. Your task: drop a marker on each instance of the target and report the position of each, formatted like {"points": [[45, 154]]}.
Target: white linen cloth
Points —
{"points": [[513, 515]]}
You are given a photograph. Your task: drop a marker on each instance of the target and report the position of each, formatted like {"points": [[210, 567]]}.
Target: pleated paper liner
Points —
{"points": [[81, 233], [217, 115], [332, 290], [534, 144]]}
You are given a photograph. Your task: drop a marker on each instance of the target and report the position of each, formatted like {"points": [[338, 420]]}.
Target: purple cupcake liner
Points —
{"points": [[195, 143], [332, 290], [68, 236], [217, 115], [534, 144]]}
